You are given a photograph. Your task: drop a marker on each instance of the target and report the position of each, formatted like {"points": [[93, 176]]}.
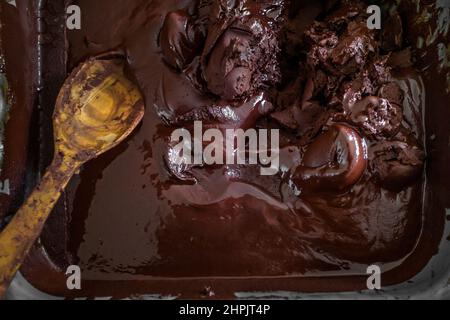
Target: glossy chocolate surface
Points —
{"points": [[351, 189]]}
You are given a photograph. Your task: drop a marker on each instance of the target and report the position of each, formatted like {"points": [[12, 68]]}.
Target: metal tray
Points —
{"points": [[433, 282]]}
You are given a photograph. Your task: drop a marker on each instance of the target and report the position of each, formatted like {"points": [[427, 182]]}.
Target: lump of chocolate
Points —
{"points": [[396, 164], [334, 58], [241, 60], [321, 84], [354, 48], [226, 74], [285, 118], [180, 41], [335, 161], [355, 90], [322, 41], [306, 120], [376, 116], [380, 71], [340, 55], [310, 119], [392, 92], [226, 116]]}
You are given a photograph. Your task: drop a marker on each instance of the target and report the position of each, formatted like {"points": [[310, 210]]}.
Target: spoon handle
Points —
{"points": [[26, 226]]}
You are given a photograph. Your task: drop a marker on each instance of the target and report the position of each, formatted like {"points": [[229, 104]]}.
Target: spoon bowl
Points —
{"points": [[97, 108]]}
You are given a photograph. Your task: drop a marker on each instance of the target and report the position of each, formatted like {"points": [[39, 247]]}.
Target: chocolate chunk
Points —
{"points": [[320, 34], [396, 164], [226, 74], [242, 60], [322, 41], [380, 71], [285, 118], [354, 48], [392, 92], [376, 116], [229, 116], [179, 40], [310, 119], [335, 161], [357, 89], [307, 120], [333, 59], [317, 82]]}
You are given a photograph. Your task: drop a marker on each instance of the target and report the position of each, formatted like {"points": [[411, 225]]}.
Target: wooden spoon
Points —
{"points": [[97, 108]]}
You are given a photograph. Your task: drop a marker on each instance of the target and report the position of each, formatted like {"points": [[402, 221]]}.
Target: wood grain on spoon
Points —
{"points": [[97, 108]]}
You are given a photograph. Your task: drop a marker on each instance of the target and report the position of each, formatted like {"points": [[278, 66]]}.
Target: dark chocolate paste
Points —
{"points": [[351, 189]]}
